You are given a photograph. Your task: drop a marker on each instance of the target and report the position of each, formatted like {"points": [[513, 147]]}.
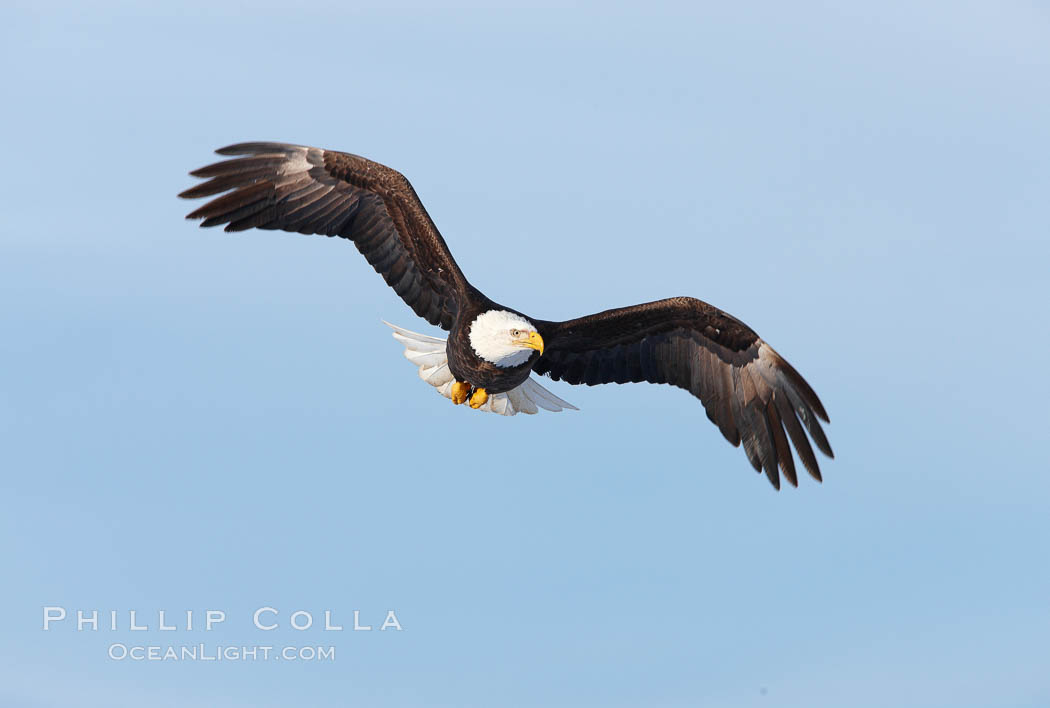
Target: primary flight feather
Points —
{"points": [[748, 390]]}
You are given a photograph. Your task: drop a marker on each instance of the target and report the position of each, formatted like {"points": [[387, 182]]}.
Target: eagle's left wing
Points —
{"points": [[750, 392]]}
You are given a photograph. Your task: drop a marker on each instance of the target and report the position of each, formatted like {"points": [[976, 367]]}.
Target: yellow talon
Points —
{"points": [[479, 398], [460, 391]]}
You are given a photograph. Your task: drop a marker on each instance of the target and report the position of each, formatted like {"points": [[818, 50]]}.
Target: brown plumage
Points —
{"points": [[315, 191], [748, 390]]}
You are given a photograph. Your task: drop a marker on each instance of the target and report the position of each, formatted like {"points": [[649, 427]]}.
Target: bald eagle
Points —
{"points": [[748, 390]]}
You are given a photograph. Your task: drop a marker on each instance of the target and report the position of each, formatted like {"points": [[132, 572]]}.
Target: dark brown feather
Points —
{"points": [[748, 390], [798, 438], [787, 463], [314, 191]]}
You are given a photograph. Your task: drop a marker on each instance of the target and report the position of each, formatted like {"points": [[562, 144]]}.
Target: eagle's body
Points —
{"points": [[752, 394], [467, 363]]}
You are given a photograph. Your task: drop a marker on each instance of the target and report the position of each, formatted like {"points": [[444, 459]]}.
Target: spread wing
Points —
{"points": [[752, 394], [315, 191]]}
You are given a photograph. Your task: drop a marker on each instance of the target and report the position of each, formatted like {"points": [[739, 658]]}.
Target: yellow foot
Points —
{"points": [[460, 391], [479, 398]]}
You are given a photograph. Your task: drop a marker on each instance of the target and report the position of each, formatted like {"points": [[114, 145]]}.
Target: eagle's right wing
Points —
{"points": [[316, 191]]}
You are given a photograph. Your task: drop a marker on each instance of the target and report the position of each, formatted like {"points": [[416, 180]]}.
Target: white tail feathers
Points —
{"points": [[428, 353]]}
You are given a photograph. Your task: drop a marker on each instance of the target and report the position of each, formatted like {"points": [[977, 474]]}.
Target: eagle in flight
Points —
{"points": [[748, 390]]}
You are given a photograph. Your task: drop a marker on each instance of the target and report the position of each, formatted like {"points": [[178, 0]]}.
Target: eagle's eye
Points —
{"points": [[515, 333]]}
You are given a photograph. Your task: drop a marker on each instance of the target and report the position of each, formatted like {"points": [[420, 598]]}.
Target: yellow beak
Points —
{"points": [[535, 341]]}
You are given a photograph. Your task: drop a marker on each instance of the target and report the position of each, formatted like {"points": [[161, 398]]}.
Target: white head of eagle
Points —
{"points": [[504, 338]]}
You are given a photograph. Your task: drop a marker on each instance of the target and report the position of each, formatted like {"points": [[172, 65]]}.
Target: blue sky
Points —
{"points": [[192, 420]]}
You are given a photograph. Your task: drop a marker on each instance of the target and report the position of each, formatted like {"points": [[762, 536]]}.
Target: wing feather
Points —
{"points": [[787, 463], [798, 437], [750, 392], [314, 191]]}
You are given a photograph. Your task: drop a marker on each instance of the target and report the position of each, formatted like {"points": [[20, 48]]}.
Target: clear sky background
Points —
{"points": [[191, 420]]}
